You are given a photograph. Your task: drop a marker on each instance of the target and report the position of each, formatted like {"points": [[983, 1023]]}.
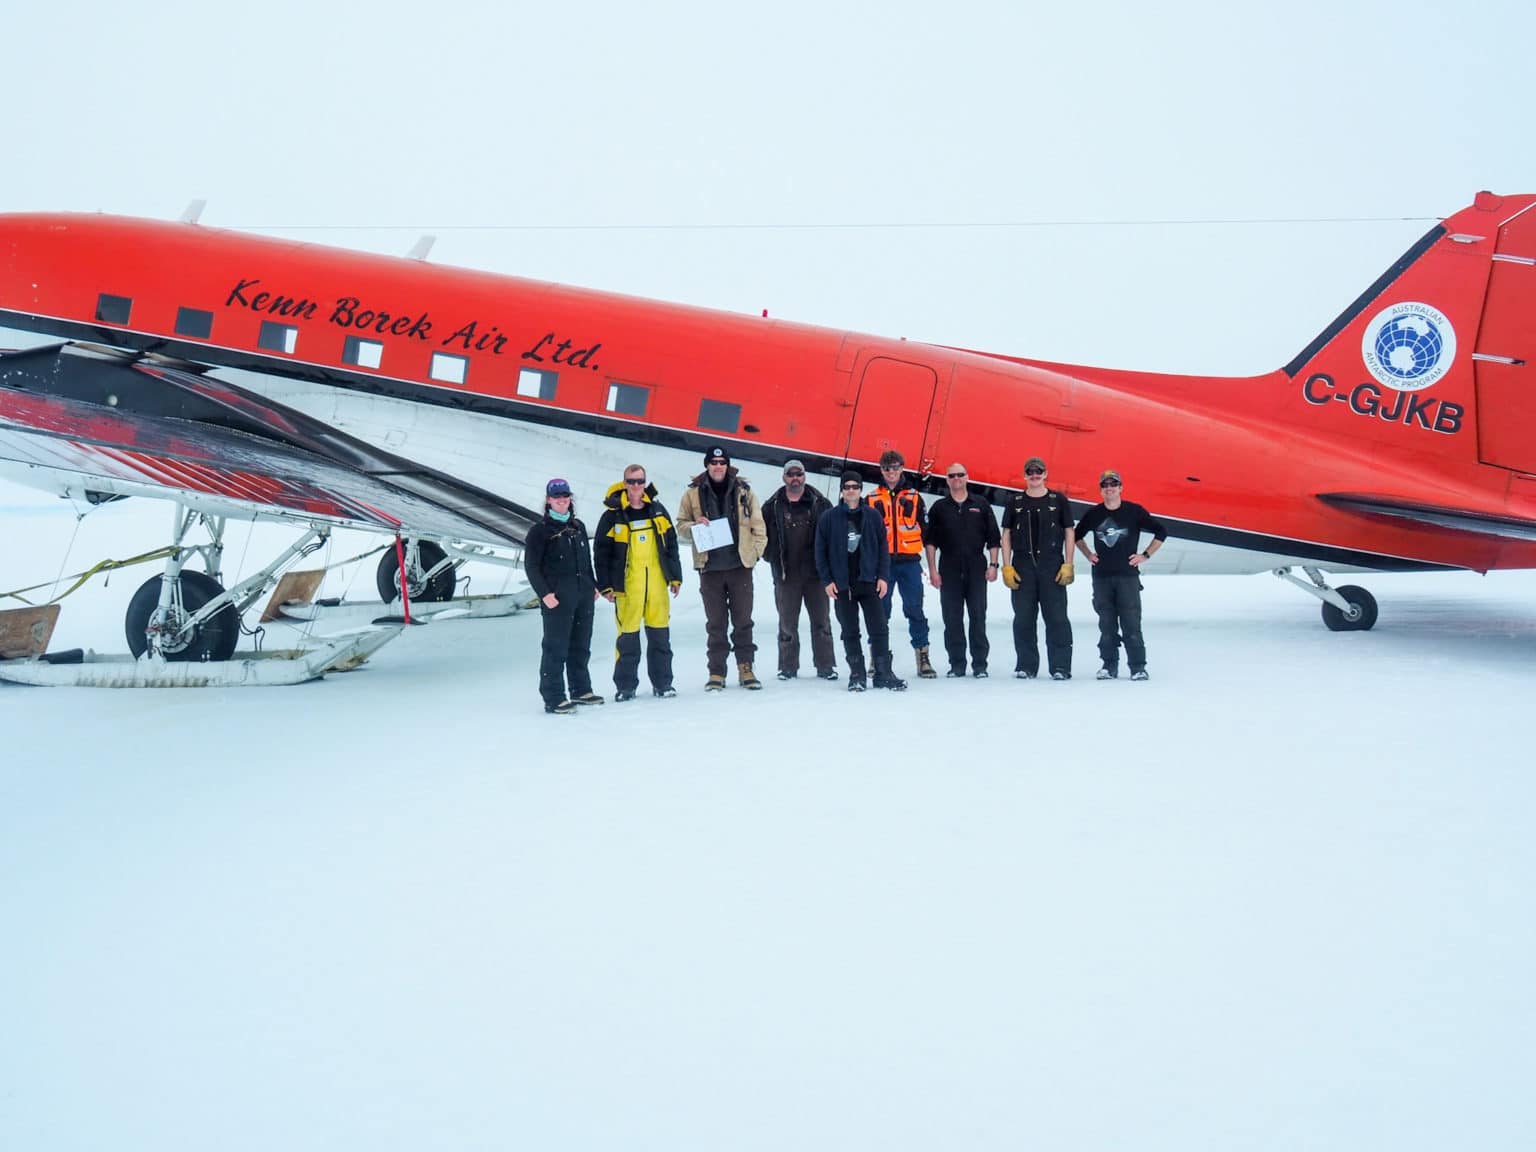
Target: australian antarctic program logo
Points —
{"points": [[1409, 346]]}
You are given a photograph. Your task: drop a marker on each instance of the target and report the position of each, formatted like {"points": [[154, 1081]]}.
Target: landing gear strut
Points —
{"points": [[186, 615], [429, 574], [1348, 608]]}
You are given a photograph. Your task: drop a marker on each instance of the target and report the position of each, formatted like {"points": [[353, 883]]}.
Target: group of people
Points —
{"points": [[851, 557]]}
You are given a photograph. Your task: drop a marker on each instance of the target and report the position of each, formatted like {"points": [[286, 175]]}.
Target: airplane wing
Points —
{"points": [[1456, 519], [99, 424]]}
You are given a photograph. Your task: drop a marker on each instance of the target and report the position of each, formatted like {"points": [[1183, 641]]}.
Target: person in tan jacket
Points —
{"points": [[725, 573]]}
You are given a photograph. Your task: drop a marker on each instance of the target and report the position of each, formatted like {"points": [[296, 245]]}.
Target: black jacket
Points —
{"points": [[611, 551], [558, 556], [775, 512], [1055, 518], [961, 532], [832, 547]]}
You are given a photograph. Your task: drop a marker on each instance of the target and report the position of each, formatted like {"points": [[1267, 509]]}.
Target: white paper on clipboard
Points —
{"points": [[715, 534]]}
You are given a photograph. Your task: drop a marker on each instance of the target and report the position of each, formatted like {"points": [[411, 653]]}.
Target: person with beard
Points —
{"points": [[791, 515], [557, 557], [725, 574], [855, 566], [637, 568], [1117, 525]]}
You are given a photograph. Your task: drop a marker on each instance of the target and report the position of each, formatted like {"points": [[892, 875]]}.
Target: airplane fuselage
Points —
{"points": [[454, 367]]}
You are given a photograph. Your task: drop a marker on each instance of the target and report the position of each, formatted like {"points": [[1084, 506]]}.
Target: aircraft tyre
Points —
{"points": [[440, 587], [1362, 620], [214, 639]]}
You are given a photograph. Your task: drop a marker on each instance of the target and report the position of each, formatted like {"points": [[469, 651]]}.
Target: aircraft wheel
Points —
{"points": [[440, 587], [214, 639], [1360, 620]]}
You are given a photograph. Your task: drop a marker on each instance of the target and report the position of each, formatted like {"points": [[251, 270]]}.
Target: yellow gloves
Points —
{"points": [[1010, 576], [1064, 574]]}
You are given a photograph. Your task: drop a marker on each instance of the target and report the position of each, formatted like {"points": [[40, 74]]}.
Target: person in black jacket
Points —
{"points": [[639, 573], [557, 556], [1117, 525], [855, 566], [960, 529], [790, 516]]}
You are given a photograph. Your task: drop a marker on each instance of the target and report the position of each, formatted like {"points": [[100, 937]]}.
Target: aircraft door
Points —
{"points": [[892, 410]]}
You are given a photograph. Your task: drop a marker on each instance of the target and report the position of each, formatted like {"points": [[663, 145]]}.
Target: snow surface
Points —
{"points": [[1276, 897]]}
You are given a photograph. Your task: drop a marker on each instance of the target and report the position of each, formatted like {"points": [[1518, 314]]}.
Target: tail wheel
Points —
{"points": [[1362, 614], [428, 557], [213, 639]]}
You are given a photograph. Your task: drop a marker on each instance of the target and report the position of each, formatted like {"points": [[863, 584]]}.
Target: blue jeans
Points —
{"points": [[908, 576]]}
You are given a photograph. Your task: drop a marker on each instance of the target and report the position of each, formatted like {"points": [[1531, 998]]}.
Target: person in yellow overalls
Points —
{"points": [[635, 554]]}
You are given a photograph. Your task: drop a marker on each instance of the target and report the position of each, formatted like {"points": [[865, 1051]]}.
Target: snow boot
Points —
{"points": [[884, 677], [924, 667], [748, 679]]}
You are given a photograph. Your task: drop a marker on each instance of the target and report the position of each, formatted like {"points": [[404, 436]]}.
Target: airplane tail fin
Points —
{"points": [[1439, 354]]}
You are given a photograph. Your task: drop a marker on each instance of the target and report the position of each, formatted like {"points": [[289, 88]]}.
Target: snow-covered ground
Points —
{"points": [[1277, 897]]}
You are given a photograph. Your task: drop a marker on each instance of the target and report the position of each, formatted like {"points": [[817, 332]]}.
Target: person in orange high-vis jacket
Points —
{"points": [[902, 506]]}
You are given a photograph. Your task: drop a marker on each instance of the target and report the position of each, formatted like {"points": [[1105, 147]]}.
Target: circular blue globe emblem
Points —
{"points": [[1408, 346]]}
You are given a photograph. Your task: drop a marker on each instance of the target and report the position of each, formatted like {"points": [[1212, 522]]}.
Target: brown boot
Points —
{"points": [[715, 684], [924, 668], [748, 679]]}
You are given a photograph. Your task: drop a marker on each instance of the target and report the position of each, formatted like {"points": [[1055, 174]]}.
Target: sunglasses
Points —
{"points": [[1110, 484], [852, 487], [1034, 471], [637, 481], [957, 475], [890, 467], [794, 472]]}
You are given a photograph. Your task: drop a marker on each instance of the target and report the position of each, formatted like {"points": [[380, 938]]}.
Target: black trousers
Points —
{"points": [[1117, 600], [567, 644], [962, 595], [727, 598], [864, 598], [810, 592], [658, 659], [1038, 595]]}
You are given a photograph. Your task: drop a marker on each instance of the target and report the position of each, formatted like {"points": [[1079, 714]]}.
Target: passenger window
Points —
{"points": [[194, 322], [363, 353], [628, 399], [113, 309], [275, 337], [449, 368], [718, 416], [537, 383]]}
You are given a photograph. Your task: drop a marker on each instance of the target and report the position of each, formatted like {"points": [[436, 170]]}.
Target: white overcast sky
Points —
{"points": [[528, 136]]}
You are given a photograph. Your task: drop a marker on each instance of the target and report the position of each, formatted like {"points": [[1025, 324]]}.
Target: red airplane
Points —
{"points": [[1403, 437]]}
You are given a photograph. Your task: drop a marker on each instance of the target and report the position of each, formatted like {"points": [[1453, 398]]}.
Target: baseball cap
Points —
{"points": [[1034, 462], [1108, 474], [793, 465], [557, 487]]}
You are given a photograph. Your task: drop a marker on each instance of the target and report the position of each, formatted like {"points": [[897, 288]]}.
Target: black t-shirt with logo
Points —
{"points": [[1117, 535]]}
